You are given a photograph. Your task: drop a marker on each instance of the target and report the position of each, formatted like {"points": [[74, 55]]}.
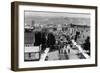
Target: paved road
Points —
{"points": [[54, 55]]}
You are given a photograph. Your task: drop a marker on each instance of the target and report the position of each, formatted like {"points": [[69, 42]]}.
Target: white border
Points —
{"points": [[23, 64]]}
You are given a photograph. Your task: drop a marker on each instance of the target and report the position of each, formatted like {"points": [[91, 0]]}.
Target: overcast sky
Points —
{"points": [[56, 18]]}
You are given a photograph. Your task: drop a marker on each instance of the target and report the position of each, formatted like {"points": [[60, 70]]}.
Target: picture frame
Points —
{"points": [[29, 21]]}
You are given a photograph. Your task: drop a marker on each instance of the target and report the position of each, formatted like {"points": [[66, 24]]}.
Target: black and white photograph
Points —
{"points": [[51, 36]]}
